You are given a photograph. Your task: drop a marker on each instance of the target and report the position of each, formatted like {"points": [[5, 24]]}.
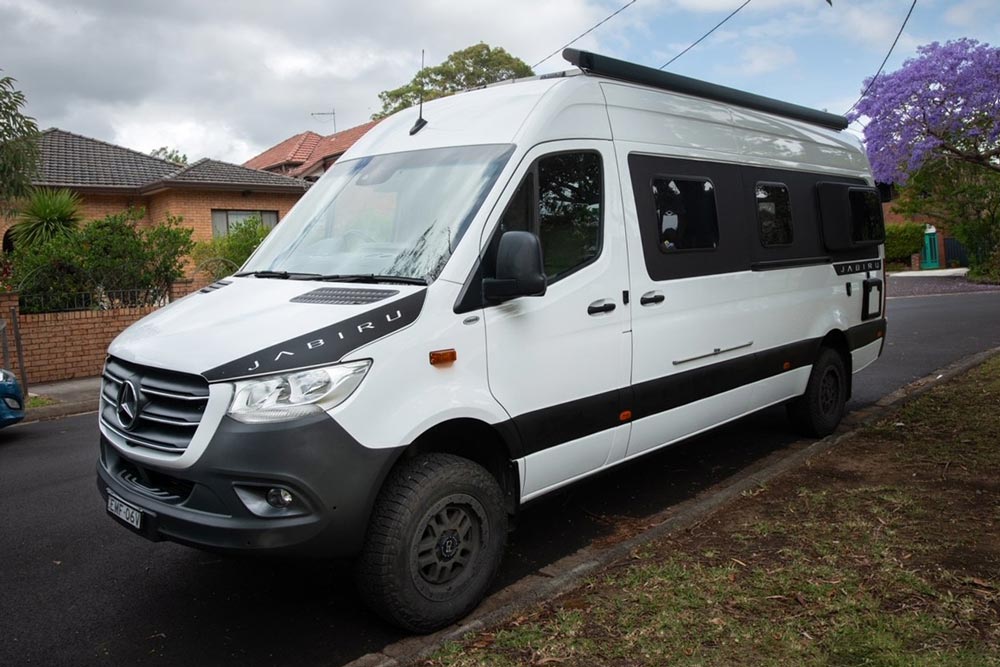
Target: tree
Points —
{"points": [[18, 146], [46, 214], [170, 155], [961, 197], [223, 255], [476, 65], [945, 103]]}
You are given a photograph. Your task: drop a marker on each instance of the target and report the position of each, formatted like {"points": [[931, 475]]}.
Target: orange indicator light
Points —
{"points": [[439, 357], [786, 365], [625, 415]]}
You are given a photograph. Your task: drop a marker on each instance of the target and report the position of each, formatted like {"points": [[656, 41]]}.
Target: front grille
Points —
{"points": [[167, 409], [164, 488]]}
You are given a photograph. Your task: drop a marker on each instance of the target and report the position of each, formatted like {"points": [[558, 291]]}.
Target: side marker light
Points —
{"points": [[439, 357], [625, 415]]}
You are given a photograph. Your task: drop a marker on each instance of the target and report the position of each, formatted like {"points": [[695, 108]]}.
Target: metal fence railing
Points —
{"points": [[56, 302]]}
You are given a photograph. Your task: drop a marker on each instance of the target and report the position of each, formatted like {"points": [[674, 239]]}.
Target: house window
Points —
{"points": [[223, 220]]}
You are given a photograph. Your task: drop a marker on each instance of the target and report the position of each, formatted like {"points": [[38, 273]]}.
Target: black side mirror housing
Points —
{"points": [[519, 269]]}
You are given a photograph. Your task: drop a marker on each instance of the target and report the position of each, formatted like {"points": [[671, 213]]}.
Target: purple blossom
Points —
{"points": [[944, 102]]}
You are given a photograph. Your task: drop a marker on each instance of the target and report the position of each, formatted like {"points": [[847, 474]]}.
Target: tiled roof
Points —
{"points": [[302, 152], [67, 159], [216, 172], [292, 151], [333, 146], [72, 160]]}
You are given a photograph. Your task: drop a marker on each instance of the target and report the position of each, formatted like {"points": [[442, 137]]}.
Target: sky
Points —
{"points": [[227, 79]]}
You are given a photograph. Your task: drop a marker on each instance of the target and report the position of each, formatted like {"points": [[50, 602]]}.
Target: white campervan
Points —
{"points": [[524, 285]]}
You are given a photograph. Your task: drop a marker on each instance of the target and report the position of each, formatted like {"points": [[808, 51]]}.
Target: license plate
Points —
{"points": [[127, 513]]}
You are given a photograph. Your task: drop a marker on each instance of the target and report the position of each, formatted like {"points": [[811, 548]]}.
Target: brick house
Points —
{"points": [[307, 155], [209, 194]]}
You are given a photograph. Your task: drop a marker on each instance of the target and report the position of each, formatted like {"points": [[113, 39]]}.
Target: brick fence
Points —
{"points": [[72, 344]]}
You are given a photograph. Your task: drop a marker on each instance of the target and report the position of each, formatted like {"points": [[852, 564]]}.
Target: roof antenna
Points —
{"points": [[419, 125]]}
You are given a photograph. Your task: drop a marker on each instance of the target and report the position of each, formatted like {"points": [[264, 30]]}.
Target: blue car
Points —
{"points": [[11, 399]]}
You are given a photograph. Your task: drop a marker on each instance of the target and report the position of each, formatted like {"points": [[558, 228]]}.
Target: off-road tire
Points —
{"points": [[818, 412], [434, 542]]}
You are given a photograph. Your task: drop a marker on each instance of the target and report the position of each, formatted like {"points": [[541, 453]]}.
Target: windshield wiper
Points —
{"points": [[370, 278], [283, 275]]}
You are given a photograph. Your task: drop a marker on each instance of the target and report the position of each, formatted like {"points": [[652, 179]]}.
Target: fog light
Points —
{"points": [[279, 498], [12, 403]]}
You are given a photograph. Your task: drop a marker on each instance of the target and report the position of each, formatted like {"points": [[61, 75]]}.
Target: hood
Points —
{"points": [[246, 327]]}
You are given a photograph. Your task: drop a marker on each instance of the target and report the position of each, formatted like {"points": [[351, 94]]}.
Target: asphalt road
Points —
{"points": [[77, 589]]}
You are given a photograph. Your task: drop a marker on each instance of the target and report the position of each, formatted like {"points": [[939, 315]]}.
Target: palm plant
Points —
{"points": [[45, 214]]}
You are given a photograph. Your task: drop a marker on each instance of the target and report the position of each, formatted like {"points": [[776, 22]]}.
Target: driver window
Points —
{"points": [[563, 209]]}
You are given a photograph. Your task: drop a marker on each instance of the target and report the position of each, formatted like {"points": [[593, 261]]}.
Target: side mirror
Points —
{"points": [[519, 269]]}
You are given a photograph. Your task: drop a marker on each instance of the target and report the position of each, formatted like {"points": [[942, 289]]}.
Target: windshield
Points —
{"points": [[389, 215]]}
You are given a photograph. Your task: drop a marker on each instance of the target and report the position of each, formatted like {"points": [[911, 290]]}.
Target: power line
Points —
{"points": [[584, 34], [698, 41], [885, 60]]}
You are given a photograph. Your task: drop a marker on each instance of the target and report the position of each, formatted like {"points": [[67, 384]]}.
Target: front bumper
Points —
{"points": [[333, 479], [11, 403]]}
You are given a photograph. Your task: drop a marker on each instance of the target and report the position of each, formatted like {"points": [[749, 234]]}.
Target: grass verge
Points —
{"points": [[39, 401], [883, 551]]}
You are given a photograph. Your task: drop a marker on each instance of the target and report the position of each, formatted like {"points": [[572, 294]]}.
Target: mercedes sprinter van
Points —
{"points": [[483, 301]]}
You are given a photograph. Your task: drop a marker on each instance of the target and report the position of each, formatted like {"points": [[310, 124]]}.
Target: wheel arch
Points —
{"points": [[490, 446], [836, 340]]}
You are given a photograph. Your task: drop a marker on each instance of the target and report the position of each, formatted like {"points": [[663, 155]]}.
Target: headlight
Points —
{"points": [[278, 398], [5, 375]]}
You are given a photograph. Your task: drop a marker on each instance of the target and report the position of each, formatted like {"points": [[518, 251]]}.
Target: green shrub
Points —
{"points": [[988, 270], [112, 252], [901, 241], [46, 214], [110, 262], [50, 275], [167, 244], [223, 255]]}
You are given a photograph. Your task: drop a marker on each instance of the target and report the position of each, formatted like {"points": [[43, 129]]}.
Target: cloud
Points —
{"points": [[719, 6], [226, 79], [972, 13], [758, 59]]}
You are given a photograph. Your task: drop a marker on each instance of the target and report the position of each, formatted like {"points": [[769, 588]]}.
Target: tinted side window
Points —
{"points": [[564, 210], [774, 214], [569, 210], [866, 216], [686, 214]]}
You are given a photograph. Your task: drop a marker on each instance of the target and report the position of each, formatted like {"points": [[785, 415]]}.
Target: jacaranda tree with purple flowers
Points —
{"points": [[934, 128], [943, 103]]}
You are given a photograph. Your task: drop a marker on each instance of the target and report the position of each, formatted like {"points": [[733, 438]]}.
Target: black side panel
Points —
{"points": [[561, 423], [554, 425], [733, 221]]}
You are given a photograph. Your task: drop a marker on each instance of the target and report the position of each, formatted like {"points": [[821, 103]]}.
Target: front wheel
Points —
{"points": [[434, 543], [818, 412]]}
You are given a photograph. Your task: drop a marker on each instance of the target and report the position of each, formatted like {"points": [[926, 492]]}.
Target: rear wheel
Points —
{"points": [[434, 543], [818, 411]]}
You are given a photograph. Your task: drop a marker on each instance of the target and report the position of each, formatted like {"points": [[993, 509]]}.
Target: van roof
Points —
{"points": [[675, 83], [601, 103]]}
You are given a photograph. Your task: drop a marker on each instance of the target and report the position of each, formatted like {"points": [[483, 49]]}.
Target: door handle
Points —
{"points": [[651, 298], [599, 307]]}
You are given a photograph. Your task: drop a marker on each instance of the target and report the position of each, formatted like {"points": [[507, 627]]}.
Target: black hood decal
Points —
{"points": [[323, 346]]}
